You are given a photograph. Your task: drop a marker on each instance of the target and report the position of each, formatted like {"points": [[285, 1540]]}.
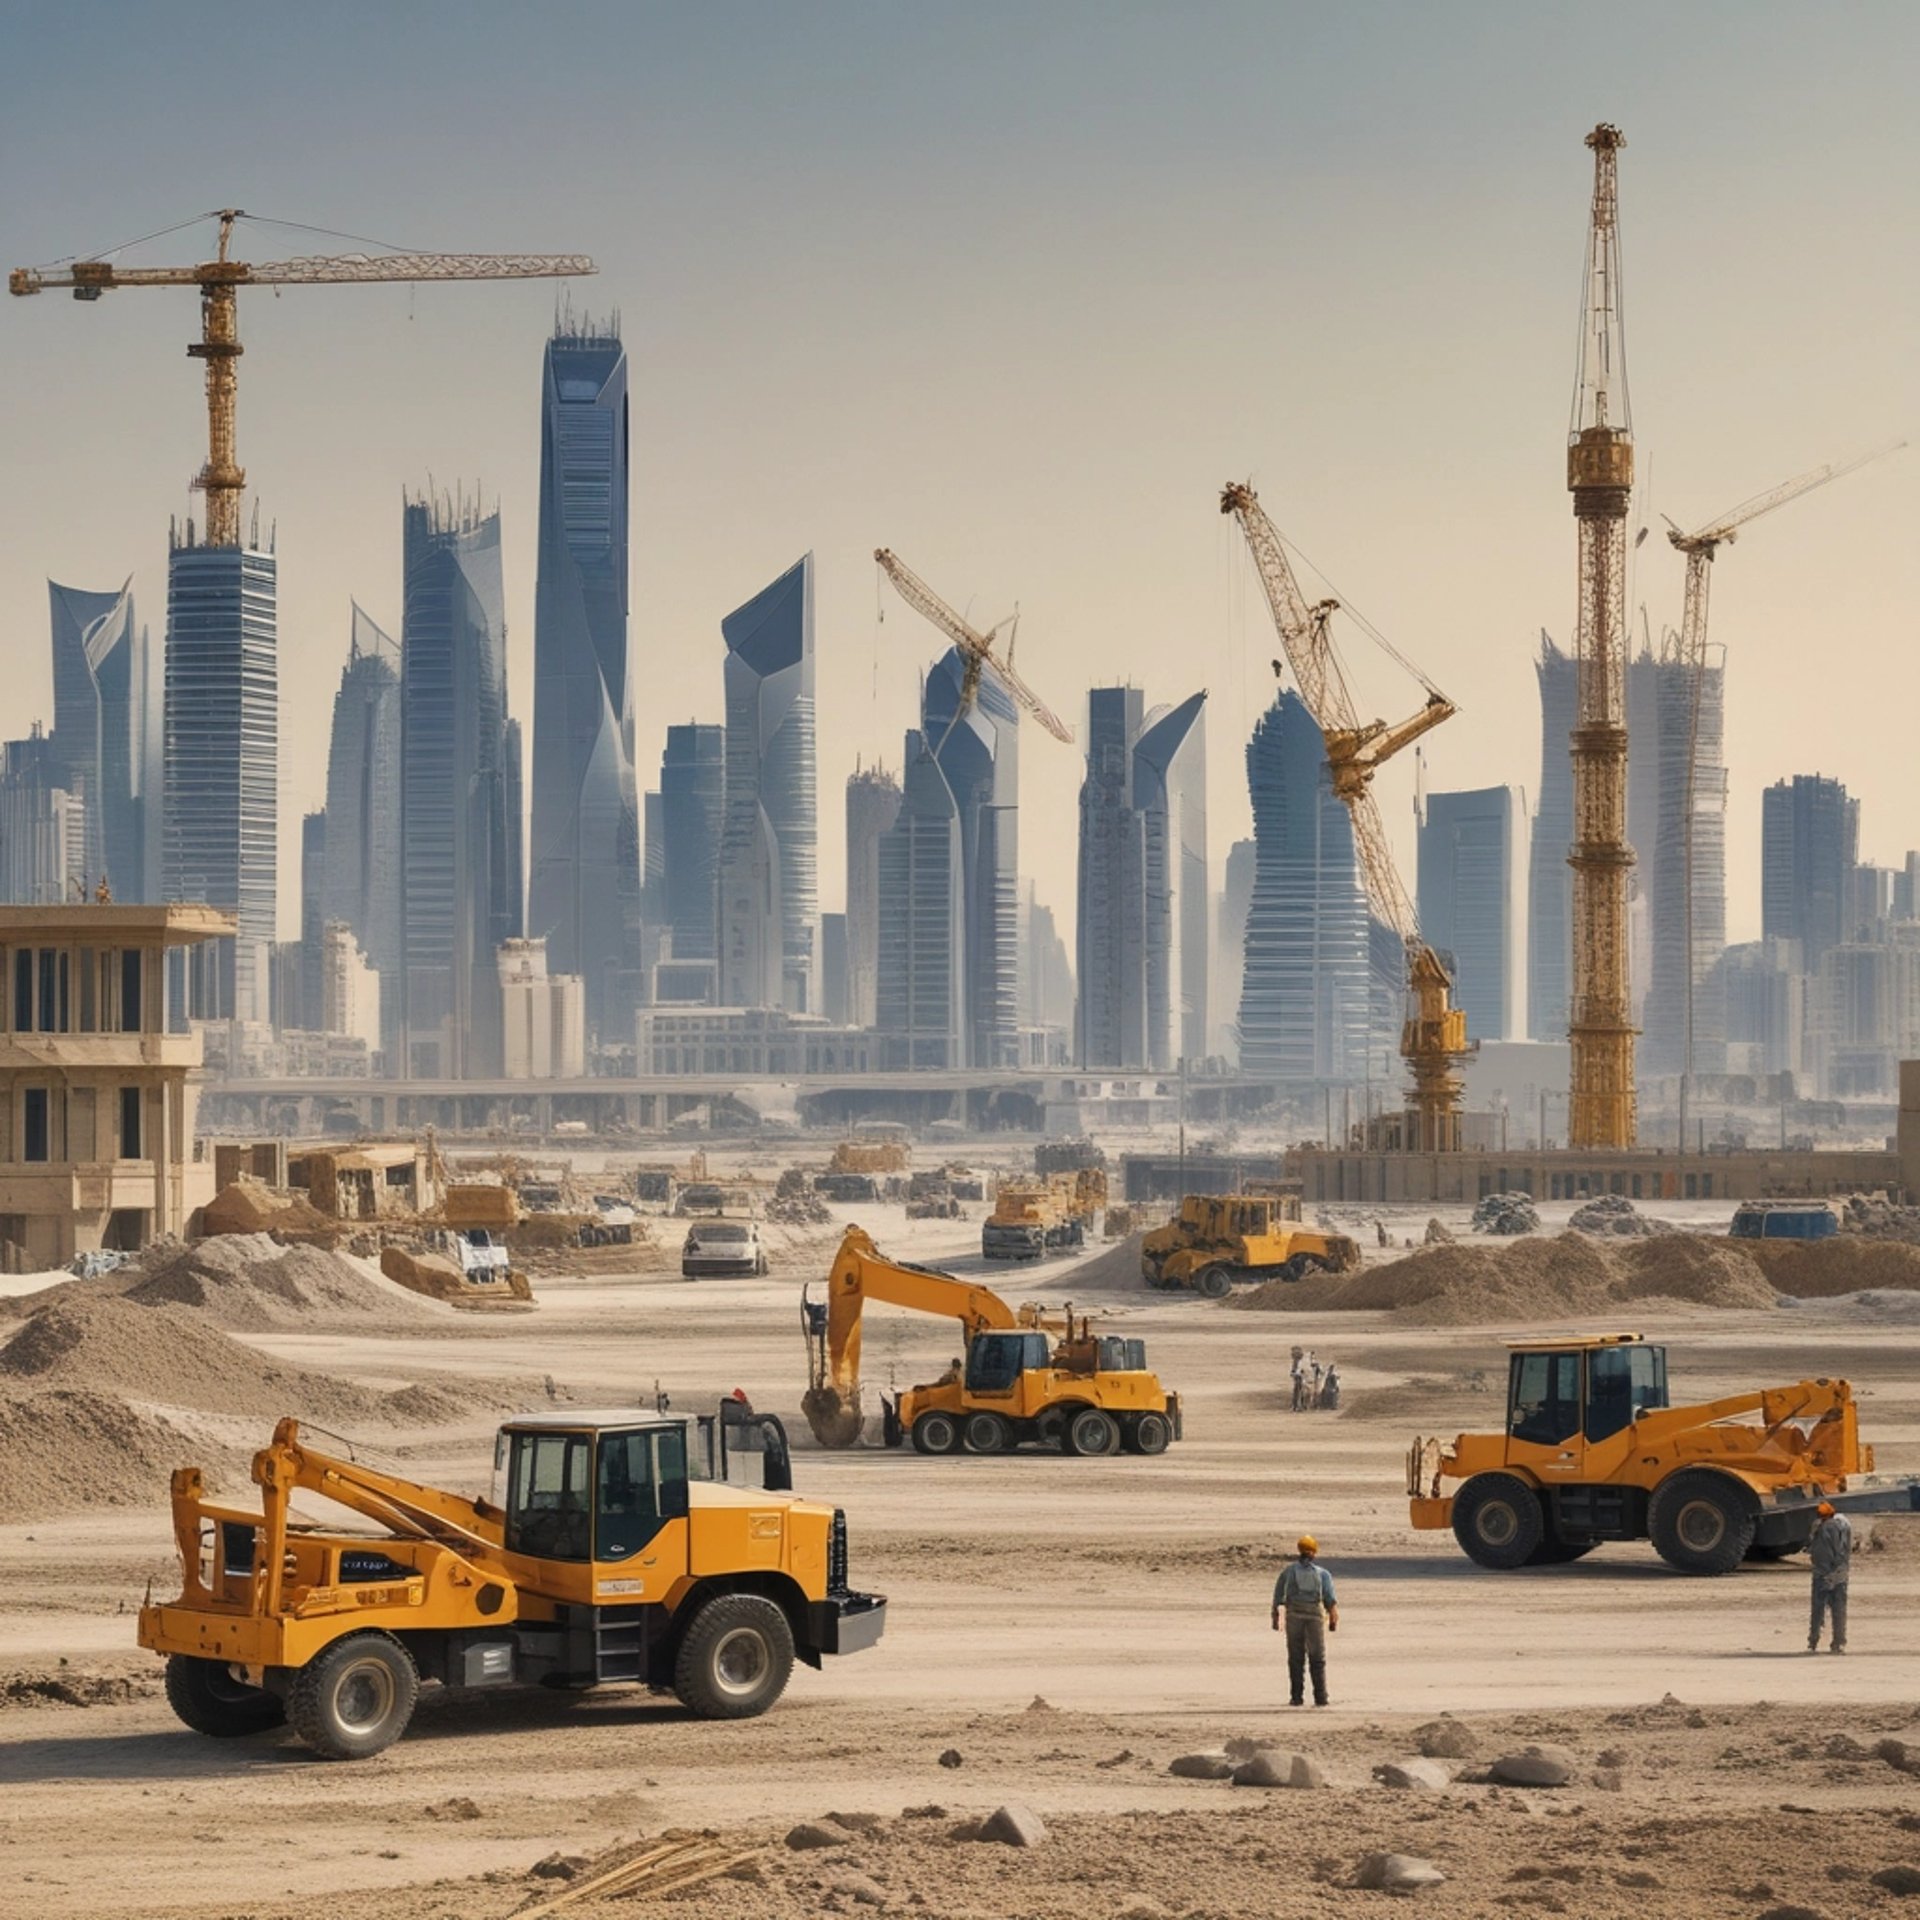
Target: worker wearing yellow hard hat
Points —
{"points": [[1303, 1597]]}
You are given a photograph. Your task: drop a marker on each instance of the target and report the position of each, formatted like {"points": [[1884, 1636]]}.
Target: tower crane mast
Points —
{"points": [[219, 281], [1601, 1103], [1434, 1037]]}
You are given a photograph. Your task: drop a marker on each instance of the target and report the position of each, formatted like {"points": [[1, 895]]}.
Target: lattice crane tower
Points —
{"points": [[1601, 1110]]}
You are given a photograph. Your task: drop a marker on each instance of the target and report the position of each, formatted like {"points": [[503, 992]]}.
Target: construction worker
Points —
{"points": [[1299, 1378], [1304, 1595], [1330, 1390], [1831, 1552]]}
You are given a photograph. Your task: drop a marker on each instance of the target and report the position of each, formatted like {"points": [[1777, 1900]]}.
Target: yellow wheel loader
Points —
{"points": [[1593, 1452], [614, 1550], [1022, 1375], [1216, 1240]]}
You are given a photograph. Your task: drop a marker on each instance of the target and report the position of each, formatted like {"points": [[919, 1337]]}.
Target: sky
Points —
{"points": [[1012, 289]]}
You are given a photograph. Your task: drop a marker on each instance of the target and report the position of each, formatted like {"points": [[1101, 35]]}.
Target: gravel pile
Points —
{"points": [[1506, 1213], [1614, 1213]]}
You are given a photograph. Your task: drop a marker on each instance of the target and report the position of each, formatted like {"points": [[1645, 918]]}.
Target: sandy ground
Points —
{"points": [[1067, 1627]]}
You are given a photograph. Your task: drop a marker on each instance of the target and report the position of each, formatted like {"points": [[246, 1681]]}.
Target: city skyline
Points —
{"points": [[427, 381]]}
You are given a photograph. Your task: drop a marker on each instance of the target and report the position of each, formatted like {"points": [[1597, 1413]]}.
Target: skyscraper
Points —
{"points": [[100, 726], [1305, 1011], [1549, 878], [1170, 791], [360, 886], [1466, 888], [1229, 962], [979, 756], [313, 921], [768, 890], [1686, 879], [1809, 846], [1110, 1023], [873, 804], [43, 826], [693, 795], [223, 764], [920, 987], [460, 778], [584, 878]]}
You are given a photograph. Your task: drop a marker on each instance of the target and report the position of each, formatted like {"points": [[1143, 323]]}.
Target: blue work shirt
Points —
{"points": [[1304, 1587]]}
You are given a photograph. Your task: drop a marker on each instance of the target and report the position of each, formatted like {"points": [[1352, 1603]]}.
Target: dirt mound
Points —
{"points": [[1847, 1263], [66, 1451], [1529, 1279], [1114, 1269], [251, 1283]]}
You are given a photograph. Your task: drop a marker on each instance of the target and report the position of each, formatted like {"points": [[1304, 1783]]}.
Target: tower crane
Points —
{"points": [[219, 281], [1434, 1036], [1601, 1103], [1700, 547], [976, 649]]}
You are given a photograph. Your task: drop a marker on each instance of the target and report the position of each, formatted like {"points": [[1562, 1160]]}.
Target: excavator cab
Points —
{"points": [[1567, 1397]]}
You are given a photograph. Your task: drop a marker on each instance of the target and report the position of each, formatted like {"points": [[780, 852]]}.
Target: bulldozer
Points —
{"points": [[1035, 1217], [1217, 1239], [619, 1546], [1593, 1451], [1024, 1375]]}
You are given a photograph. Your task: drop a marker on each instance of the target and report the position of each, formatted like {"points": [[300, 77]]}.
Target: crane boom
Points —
{"points": [[222, 478], [1434, 1036]]}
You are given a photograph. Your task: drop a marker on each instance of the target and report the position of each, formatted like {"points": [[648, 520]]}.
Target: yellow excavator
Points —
{"points": [[620, 1546], [1024, 1374], [1593, 1452]]}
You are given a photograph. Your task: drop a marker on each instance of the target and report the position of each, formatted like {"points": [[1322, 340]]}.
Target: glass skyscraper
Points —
{"points": [[1465, 889], [1110, 1019], [460, 790], [583, 892], [873, 804], [921, 977], [769, 852], [223, 764], [1170, 791], [1305, 1012], [360, 886], [693, 781], [979, 755], [101, 687]]}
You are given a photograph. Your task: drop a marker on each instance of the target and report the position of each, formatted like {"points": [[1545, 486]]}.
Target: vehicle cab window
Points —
{"points": [[1623, 1383], [642, 1484], [548, 1490], [1543, 1405]]}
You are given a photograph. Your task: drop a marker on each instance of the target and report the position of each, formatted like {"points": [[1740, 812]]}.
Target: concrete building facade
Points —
{"points": [[583, 883], [543, 1034], [43, 826]]}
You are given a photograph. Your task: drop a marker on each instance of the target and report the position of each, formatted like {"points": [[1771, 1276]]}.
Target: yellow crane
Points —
{"points": [[975, 648], [1434, 1037], [1602, 1110], [1700, 547], [220, 280]]}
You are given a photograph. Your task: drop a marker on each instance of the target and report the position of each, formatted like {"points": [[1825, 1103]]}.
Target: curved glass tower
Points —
{"points": [[1170, 791], [100, 727], [583, 894]]}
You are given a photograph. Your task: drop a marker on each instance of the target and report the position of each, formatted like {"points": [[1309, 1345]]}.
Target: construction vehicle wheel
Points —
{"points": [[987, 1433], [736, 1658], [1775, 1550], [1215, 1282], [1497, 1520], [1092, 1433], [356, 1698], [1701, 1521], [210, 1700], [1151, 1433], [1555, 1552], [936, 1433]]}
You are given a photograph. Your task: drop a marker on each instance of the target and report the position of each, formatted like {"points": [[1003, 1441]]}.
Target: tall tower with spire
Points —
{"points": [[1601, 1104]]}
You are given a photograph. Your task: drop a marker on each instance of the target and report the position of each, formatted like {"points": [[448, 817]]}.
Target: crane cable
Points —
{"points": [[1360, 620]]}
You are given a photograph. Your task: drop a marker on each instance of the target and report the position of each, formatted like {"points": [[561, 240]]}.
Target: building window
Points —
{"points": [[34, 1141], [130, 1104], [49, 992], [130, 990], [89, 980], [23, 989]]}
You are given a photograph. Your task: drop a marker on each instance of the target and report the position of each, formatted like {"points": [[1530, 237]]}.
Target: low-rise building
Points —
{"points": [[753, 1042], [97, 1092]]}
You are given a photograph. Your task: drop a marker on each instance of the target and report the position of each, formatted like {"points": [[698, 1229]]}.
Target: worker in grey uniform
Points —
{"points": [[1831, 1552], [1303, 1596]]}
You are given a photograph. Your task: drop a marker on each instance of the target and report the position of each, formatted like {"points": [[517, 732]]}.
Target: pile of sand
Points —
{"points": [[1114, 1269], [1847, 1263], [251, 1283], [1529, 1279], [66, 1451]]}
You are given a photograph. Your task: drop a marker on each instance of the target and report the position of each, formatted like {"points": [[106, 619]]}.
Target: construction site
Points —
{"points": [[903, 1521]]}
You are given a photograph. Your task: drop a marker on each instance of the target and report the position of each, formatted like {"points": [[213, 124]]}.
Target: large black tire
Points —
{"points": [[1214, 1282], [1701, 1521], [936, 1432], [1769, 1550], [987, 1433], [1498, 1520], [735, 1659], [210, 1700], [1151, 1433], [356, 1698], [1093, 1433]]}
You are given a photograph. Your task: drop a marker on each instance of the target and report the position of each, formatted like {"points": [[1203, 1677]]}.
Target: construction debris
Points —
{"points": [[1506, 1213], [1614, 1213]]}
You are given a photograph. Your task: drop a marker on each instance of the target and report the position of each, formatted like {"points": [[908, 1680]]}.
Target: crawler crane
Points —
{"points": [[1434, 1037]]}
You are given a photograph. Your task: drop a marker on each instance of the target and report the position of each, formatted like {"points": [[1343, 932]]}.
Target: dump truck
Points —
{"points": [[1218, 1239], [1036, 1217], [1593, 1451], [622, 1546], [1023, 1374]]}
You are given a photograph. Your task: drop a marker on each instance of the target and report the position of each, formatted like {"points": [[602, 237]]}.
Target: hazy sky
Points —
{"points": [[1012, 289]]}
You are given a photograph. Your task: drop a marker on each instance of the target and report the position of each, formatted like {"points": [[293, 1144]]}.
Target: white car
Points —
{"points": [[721, 1249]]}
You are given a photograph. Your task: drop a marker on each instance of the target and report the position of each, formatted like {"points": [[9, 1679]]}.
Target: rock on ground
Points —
{"points": [[857, 1889], [1446, 1739], [1014, 1825], [807, 1838], [1543, 1766], [1270, 1769], [1397, 1873], [1202, 1766], [1426, 1776]]}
